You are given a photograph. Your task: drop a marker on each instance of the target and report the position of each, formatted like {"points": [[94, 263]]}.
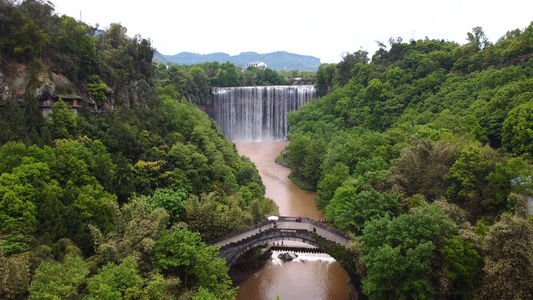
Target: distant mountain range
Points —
{"points": [[276, 60]]}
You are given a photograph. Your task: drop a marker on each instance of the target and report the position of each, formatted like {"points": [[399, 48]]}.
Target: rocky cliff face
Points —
{"points": [[16, 84]]}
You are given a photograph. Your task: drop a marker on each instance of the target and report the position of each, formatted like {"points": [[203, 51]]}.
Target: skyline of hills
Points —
{"points": [[279, 60]]}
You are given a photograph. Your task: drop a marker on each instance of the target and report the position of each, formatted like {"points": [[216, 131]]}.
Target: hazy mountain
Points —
{"points": [[276, 60]]}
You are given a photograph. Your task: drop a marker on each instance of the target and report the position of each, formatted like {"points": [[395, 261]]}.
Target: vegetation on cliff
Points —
{"points": [[118, 204], [424, 154]]}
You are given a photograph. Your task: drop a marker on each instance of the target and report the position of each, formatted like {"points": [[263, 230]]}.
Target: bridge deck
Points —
{"points": [[287, 223]]}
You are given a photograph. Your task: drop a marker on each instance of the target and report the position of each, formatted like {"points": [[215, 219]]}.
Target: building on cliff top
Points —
{"points": [[257, 64]]}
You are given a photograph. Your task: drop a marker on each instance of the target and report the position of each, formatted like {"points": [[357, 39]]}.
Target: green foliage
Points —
{"points": [[213, 216], [13, 122], [421, 167], [116, 282], [62, 120], [352, 206], [463, 262], [136, 231], [59, 281], [11, 155], [398, 253], [182, 253], [517, 135], [428, 119], [63, 182], [172, 201], [14, 275], [255, 76], [333, 180], [17, 214], [507, 268], [96, 90], [227, 76], [55, 193]]}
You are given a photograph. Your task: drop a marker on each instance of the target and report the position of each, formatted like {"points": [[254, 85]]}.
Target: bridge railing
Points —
{"points": [[275, 235], [328, 228], [239, 232], [246, 233]]}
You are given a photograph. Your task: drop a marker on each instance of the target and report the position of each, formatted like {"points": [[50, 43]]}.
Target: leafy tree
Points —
{"points": [[96, 90], [421, 167], [332, 180], [463, 263], [11, 155], [227, 76], [261, 208], [62, 120], [53, 213], [343, 72], [137, 228], [123, 178], [353, 206], [507, 269], [477, 38], [213, 216], [324, 78], [182, 253], [12, 121], [398, 253], [172, 201], [517, 134], [116, 282], [464, 173], [14, 275], [17, 215], [59, 281]]}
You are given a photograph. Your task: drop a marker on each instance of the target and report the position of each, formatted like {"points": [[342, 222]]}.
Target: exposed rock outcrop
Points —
{"points": [[286, 256]]}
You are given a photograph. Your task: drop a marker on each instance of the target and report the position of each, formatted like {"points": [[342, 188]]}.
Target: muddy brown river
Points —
{"points": [[310, 276]]}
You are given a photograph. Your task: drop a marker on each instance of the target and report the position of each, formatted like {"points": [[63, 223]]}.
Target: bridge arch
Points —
{"points": [[235, 250], [306, 230]]}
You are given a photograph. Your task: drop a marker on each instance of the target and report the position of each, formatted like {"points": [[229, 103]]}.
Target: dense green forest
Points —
{"points": [[118, 204], [424, 154]]}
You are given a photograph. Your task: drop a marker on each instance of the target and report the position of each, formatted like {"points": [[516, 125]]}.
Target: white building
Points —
{"points": [[257, 64]]}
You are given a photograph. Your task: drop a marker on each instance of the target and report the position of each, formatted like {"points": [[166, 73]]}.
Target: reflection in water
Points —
{"points": [[311, 276]]}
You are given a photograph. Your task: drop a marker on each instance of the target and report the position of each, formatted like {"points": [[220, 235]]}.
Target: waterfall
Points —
{"points": [[257, 113]]}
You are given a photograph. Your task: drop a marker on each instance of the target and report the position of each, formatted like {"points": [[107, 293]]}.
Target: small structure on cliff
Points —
{"points": [[73, 101]]}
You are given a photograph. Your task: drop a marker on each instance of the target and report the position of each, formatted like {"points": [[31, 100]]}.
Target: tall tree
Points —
{"points": [[399, 253]]}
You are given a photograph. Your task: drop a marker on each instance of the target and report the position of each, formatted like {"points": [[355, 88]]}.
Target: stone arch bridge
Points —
{"points": [[308, 231]]}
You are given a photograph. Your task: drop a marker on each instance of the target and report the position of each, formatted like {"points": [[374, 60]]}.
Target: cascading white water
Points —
{"points": [[257, 113], [301, 257]]}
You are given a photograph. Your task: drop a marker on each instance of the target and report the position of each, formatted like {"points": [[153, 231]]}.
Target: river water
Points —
{"points": [[309, 277]]}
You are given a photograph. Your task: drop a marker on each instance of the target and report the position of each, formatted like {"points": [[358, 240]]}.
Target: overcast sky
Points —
{"points": [[321, 28]]}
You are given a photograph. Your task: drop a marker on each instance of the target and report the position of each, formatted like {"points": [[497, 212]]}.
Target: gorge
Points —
{"points": [[255, 119]]}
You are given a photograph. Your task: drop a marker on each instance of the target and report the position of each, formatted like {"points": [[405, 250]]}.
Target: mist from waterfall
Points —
{"points": [[257, 113]]}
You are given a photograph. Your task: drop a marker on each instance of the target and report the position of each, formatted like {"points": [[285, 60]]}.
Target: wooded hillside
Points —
{"points": [[119, 199], [424, 153]]}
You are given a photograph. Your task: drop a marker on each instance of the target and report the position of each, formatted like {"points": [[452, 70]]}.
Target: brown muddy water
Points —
{"points": [[310, 276]]}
